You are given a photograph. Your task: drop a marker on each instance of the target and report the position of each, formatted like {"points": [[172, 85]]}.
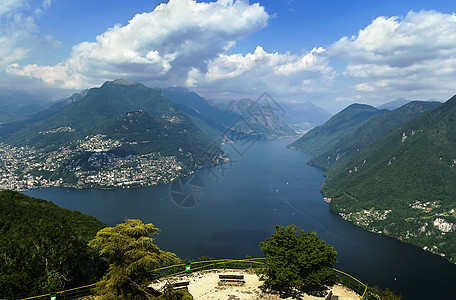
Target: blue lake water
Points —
{"points": [[237, 205]]}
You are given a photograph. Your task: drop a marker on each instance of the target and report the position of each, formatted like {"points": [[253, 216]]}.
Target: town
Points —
{"points": [[86, 163]]}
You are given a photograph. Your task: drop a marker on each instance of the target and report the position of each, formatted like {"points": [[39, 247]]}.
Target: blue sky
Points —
{"points": [[331, 53]]}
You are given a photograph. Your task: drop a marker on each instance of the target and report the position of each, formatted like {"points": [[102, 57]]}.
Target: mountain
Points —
{"points": [[92, 136], [392, 105], [404, 183], [326, 136], [44, 247], [260, 118], [234, 118], [16, 104], [184, 97], [378, 125], [51, 109], [304, 116], [210, 119]]}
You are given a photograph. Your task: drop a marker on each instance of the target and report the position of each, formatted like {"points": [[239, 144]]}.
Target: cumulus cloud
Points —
{"points": [[403, 55], [19, 34], [7, 6], [253, 73], [162, 45], [184, 42]]}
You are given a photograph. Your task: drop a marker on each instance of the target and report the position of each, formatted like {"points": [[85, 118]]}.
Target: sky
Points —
{"points": [[330, 52]]}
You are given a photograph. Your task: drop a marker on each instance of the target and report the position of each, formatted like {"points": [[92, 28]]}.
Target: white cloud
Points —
{"points": [[162, 45], [414, 56], [287, 75], [184, 42], [16, 34], [19, 34], [7, 6], [47, 4]]}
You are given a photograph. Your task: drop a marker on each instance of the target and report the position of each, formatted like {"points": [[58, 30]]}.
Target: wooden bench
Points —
{"points": [[179, 285], [232, 278]]}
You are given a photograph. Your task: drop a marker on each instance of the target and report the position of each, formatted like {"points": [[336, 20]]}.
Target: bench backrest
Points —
{"points": [[232, 276], [182, 283]]}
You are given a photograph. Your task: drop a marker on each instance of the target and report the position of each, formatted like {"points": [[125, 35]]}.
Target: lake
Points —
{"points": [[226, 211]]}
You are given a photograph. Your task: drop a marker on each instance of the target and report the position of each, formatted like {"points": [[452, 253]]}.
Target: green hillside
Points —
{"points": [[404, 183], [142, 133], [122, 134], [100, 104], [44, 247], [184, 97], [349, 145], [210, 119], [326, 136]]}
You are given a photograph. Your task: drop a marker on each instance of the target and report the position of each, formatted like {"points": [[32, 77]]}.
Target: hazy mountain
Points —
{"points": [[259, 118], [352, 143], [183, 96], [15, 104], [326, 136], [392, 105], [304, 116], [404, 183], [210, 119], [51, 109]]}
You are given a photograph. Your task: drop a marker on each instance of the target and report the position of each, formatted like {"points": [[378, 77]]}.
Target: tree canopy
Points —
{"points": [[131, 252], [296, 259], [44, 247]]}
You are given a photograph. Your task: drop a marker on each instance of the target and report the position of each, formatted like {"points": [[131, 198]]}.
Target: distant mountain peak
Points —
{"points": [[392, 105], [123, 82]]}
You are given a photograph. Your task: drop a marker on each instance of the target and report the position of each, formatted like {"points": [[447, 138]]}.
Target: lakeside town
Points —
{"points": [[23, 168]]}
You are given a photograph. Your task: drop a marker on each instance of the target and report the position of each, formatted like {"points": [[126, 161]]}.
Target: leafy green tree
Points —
{"points": [[131, 253], [44, 247], [296, 260]]}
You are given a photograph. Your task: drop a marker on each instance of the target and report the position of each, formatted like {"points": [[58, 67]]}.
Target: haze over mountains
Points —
{"points": [[325, 136], [393, 172], [125, 134]]}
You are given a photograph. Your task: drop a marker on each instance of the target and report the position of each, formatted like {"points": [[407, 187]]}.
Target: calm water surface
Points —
{"points": [[240, 204]]}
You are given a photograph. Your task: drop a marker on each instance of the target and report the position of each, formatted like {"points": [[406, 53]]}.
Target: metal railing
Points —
{"points": [[196, 266], [74, 293]]}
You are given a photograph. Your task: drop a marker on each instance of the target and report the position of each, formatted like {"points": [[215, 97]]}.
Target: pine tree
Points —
{"points": [[131, 251]]}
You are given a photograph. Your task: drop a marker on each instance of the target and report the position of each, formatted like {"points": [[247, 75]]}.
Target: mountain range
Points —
{"points": [[16, 104], [395, 174], [110, 127], [325, 136], [302, 117], [245, 116], [350, 144]]}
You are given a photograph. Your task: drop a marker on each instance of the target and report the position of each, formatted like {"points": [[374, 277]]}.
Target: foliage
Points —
{"points": [[131, 252], [205, 258], [296, 260], [379, 294], [349, 145], [409, 173], [44, 247], [322, 138]]}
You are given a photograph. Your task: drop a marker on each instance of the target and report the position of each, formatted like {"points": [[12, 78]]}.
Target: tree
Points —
{"points": [[296, 260], [131, 252], [44, 248]]}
